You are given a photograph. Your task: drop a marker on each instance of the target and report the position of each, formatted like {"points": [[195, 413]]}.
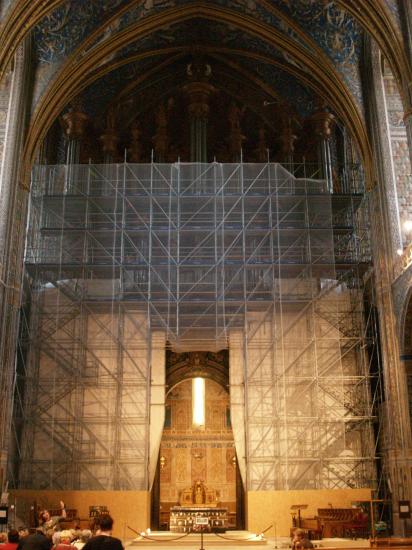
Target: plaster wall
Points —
{"points": [[132, 508], [265, 508], [128, 508]]}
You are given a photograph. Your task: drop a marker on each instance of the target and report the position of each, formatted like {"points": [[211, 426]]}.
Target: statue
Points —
{"points": [[198, 497]]}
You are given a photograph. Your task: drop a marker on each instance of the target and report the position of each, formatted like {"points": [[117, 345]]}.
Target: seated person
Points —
{"points": [[300, 540]]}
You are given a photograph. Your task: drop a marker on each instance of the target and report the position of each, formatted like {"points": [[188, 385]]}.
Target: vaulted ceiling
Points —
{"points": [[122, 52]]}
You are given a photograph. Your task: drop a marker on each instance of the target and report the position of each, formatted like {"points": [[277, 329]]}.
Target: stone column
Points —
{"points": [[13, 208], [323, 121], [396, 437]]}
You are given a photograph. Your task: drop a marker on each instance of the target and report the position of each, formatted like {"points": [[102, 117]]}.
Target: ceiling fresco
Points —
{"points": [[64, 30], [318, 27], [66, 27]]}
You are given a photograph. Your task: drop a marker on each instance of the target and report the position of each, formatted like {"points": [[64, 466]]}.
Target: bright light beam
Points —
{"points": [[198, 402]]}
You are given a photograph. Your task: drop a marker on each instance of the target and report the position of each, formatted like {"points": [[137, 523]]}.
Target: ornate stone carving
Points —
{"points": [[75, 122], [323, 122]]}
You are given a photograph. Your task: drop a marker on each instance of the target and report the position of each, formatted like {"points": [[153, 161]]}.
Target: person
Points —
{"points": [[48, 521], [65, 540], [300, 540], [85, 535], [23, 532], [104, 539], [36, 541], [13, 540]]}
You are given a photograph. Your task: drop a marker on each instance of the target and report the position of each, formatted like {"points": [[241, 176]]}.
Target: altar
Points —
{"points": [[183, 519], [197, 504]]}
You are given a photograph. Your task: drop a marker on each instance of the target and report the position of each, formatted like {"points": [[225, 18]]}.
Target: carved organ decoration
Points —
{"points": [[135, 149], [198, 91], [236, 138], [110, 138], [75, 124], [206, 114], [161, 138], [287, 140], [262, 148]]}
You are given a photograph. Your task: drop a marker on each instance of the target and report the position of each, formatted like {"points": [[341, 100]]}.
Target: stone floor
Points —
{"points": [[231, 540]]}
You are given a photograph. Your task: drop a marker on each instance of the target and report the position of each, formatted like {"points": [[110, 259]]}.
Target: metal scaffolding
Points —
{"points": [[264, 261]]}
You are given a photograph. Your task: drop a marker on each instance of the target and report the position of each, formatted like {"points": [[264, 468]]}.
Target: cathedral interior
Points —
{"points": [[206, 257]]}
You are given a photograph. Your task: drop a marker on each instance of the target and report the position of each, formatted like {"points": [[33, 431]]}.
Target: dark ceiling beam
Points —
{"points": [[83, 63]]}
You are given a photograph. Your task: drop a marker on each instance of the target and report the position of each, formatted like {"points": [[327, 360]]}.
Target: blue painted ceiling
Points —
{"points": [[323, 28]]}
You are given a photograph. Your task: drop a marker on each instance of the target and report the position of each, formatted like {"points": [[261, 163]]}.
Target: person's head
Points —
{"points": [[75, 533], [86, 534], [106, 523], [299, 534], [3, 538], [44, 516], [65, 536], [56, 538], [95, 524], [13, 535], [23, 531]]}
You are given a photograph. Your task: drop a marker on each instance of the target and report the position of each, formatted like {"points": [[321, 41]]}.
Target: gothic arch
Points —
{"points": [[75, 74]]}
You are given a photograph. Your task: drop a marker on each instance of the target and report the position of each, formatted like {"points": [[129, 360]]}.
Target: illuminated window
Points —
{"points": [[198, 402]]}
